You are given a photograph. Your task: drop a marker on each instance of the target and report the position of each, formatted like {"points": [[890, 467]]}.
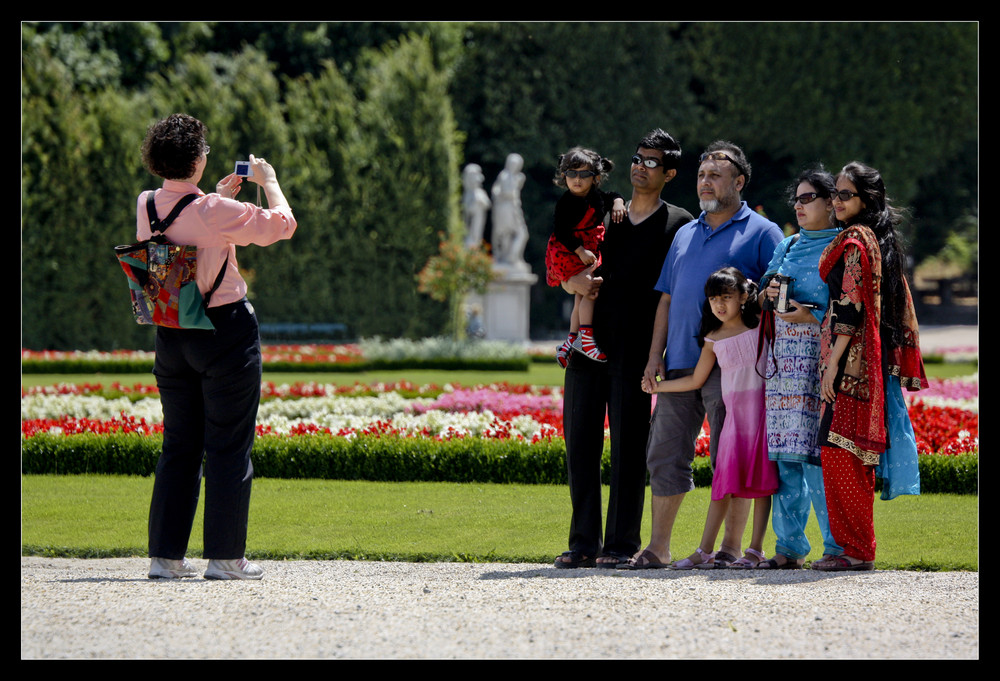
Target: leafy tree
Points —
{"points": [[78, 161], [410, 181]]}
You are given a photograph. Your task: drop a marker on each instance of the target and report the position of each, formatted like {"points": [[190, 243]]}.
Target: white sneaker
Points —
{"points": [[166, 568], [239, 568]]}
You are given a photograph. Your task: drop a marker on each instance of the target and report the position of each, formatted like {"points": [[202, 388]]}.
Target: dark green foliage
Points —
{"points": [[368, 124], [949, 474], [115, 454], [370, 167], [396, 459]]}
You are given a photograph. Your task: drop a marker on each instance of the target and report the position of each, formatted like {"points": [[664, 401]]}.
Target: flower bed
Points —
{"points": [[400, 431], [498, 411]]}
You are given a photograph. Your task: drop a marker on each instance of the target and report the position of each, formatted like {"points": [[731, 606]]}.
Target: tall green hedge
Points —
{"points": [[395, 459], [370, 166]]}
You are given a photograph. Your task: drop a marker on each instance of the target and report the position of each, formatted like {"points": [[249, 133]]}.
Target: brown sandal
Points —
{"points": [[773, 564], [842, 564]]}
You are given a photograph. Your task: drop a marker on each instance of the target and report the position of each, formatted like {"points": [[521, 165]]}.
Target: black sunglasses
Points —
{"points": [[647, 161], [583, 174], [804, 199], [845, 195]]}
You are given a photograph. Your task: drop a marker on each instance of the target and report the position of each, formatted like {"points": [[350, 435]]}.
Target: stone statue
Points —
{"points": [[475, 203], [510, 231]]}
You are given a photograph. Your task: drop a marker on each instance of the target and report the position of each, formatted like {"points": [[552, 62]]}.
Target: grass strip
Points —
{"points": [[105, 516]]}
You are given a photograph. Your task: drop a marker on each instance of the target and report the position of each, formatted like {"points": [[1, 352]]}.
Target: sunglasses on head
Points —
{"points": [[647, 161], [582, 174], [720, 156], [804, 199]]}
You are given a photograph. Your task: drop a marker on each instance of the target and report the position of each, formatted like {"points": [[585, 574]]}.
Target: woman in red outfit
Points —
{"points": [[869, 349]]}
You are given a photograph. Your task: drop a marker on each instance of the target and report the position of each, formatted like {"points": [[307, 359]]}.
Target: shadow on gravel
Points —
{"points": [[755, 576]]}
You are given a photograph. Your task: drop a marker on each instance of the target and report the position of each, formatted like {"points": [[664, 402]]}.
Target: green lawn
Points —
{"points": [[328, 519], [106, 515]]}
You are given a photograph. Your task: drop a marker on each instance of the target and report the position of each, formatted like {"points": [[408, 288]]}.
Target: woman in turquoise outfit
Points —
{"points": [[792, 391]]}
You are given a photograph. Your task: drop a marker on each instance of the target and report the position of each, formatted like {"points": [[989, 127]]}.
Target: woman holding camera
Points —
{"points": [[209, 380], [792, 393], [870, 350]]}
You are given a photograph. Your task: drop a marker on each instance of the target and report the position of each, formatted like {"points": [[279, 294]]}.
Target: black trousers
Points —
{"points": [[590, 392], [209, 384]]}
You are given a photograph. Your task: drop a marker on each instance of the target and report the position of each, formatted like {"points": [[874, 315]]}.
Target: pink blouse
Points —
{"points": [[216, 225]]}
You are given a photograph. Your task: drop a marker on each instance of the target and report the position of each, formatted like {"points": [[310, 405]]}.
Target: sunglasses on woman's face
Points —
{"points": [[804, 199], [845, 195], [582, 174]]}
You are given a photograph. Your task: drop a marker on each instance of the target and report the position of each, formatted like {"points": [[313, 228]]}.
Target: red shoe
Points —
{"points": [[563, 352], [585, 343]]}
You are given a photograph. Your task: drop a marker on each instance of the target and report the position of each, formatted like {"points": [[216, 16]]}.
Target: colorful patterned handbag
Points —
{"points": [[162, 276]]}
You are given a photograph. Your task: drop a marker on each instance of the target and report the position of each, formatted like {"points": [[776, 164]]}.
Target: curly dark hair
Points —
{"points": [[729, 280], [578, 157], [879, 215], [173, 146]]}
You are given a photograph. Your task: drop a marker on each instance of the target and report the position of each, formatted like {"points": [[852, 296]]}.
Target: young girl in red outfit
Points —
{"points": [[576, 239]]}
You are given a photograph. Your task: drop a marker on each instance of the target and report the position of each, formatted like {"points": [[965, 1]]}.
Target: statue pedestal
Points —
{"points": [[506, 305]]}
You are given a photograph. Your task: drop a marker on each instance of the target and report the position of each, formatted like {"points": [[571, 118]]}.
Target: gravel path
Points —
{"points": [[106, 608]]}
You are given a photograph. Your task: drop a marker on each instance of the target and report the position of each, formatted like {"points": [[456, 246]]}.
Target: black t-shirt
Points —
{"points": [[632, 258]]}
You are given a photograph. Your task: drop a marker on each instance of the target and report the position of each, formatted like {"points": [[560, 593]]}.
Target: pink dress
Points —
{"points": [[741, 466]]}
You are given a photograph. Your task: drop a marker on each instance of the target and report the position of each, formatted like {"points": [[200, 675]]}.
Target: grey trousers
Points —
{"points": [[677, 420]]}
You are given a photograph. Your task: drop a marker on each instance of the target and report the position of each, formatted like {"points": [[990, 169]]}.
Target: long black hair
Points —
{"points": [[728, 280], [882, 217]]}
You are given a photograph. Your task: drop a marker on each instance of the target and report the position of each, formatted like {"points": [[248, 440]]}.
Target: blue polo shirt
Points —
{"points": [[747, 242]]}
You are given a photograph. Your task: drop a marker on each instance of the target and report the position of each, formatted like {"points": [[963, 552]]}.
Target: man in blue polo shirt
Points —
{"points": [[727, 233]]}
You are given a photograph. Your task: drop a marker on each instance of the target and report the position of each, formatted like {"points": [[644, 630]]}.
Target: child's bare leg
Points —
{"points": [[574, 317], [717, 510], [761, 516], [753, 556], [584, 309], [736, 525], [585, 342]]}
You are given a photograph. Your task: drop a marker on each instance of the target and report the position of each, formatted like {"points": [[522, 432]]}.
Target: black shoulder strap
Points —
{"points": [[218, 282], [157, 225]]}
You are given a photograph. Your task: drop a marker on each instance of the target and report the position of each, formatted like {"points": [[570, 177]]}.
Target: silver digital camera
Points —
{"points": [[780, 305]]}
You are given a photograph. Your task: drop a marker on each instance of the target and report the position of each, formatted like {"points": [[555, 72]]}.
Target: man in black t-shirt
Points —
{"points": [[626, 301]]}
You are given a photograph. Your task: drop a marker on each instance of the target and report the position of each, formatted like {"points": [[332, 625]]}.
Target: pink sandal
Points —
{"points": [[687, 563], [749, 563]]}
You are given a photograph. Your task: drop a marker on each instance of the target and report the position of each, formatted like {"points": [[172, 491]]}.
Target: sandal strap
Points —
{"points": [[757, 553]]}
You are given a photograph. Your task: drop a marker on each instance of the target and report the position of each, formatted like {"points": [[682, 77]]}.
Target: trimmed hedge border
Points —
{"points": [[145, 366], [395, 459]]}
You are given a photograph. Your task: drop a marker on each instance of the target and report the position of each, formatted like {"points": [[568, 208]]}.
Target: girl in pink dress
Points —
{"points": [[728, 336]]}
